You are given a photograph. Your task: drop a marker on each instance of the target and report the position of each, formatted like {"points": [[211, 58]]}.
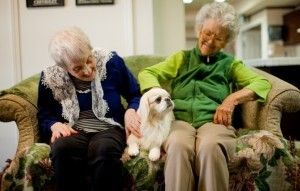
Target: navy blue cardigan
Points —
{"points": [[119, 82]]}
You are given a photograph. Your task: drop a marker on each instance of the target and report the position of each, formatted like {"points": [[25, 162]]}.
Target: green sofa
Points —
{"points": [[270, 168]]}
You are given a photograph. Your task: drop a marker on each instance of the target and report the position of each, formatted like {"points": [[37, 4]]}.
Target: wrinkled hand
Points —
{"points": [[61, 130], [132, 123], [224, 112]]}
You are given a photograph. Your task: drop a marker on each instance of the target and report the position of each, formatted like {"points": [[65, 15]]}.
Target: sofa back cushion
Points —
{"points": [[138, 63], [26, 89]]}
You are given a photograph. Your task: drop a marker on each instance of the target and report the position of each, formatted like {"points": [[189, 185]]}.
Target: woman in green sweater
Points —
{"points": [[202, 138]]}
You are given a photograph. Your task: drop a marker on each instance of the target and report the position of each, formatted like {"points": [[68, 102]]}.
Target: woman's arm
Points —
{"points": [[49, 115], [245, 77], [254, 87], [164, 71], [127, 87]]}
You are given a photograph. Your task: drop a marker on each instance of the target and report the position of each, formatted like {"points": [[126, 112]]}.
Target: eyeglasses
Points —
{"points": [[209, 35], [82, 65]]}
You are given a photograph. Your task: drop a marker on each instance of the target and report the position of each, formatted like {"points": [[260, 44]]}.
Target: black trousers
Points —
{"points": [[94, 155]]}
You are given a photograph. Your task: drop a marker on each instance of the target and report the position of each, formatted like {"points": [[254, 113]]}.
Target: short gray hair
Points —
{"points": [[69, 45], [223, 13]]}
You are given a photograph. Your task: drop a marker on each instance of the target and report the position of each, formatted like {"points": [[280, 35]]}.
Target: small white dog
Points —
{"points": [[156, 112]]}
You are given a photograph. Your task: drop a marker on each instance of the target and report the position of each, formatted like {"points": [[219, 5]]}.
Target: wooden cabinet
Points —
{"points": [[291, 30]]}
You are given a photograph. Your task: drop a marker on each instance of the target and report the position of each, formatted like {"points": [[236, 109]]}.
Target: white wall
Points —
{"points": [[6, 43], [108, 26], [8, 142], [8, 131], [143, 24], [169, 26]]}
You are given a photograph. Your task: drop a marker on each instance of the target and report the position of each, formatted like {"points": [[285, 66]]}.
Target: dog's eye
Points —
{"points": [[158, 100]]}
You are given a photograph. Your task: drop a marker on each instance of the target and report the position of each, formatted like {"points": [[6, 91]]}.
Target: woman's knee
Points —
{"points": [[208, 145], [181, 139], [209, 148], [107, 149], [61, 147], [180, 147]]}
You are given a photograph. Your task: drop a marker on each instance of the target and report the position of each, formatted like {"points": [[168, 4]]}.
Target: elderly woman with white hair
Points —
{"points": [[202, 138], [81, 115]]}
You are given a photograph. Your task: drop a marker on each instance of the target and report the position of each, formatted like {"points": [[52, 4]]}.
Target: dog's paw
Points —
{"points": [[154, 154], [133, 149]]}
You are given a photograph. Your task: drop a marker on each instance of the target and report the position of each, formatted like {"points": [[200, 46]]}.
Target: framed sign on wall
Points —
{"points": [[44, 3], [94, 2]]}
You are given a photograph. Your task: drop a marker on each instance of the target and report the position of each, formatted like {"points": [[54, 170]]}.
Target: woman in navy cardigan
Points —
{"points": [[80, 112]]}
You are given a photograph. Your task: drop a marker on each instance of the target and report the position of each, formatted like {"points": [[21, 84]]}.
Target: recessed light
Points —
{"points": [[187, 1]]}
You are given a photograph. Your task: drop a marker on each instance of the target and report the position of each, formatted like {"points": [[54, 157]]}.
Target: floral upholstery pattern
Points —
{"points": [[256, 152], [34, 169]]}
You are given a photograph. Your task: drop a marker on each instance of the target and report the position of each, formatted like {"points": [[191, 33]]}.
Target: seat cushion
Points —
{"points": [[262, 162]]}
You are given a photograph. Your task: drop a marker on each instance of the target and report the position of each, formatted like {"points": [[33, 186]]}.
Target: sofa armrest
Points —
{"points": [[283, 98], [17, 109]]}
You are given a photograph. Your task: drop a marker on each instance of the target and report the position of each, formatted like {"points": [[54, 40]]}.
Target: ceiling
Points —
{"points": [[243, 7], [248, 7]]}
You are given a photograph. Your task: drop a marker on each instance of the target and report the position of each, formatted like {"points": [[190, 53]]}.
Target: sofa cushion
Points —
{"points": [[35, 171], [137, 63], [259, 157]]}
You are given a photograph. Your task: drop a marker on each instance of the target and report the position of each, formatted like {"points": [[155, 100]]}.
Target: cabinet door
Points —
{"points": [[292, 27]]}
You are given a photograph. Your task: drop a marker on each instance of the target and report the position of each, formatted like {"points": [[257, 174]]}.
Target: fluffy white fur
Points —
{"points": [[156, 112]]}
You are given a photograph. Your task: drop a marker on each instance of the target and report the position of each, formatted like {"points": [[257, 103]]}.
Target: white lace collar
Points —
{"points": [[58, 80]]}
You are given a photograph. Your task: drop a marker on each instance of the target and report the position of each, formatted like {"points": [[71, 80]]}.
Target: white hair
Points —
{"points": [[69, 45], [223, 13]]}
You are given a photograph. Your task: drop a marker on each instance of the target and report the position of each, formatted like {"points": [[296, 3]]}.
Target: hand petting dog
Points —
{"points": [[132, 123]]}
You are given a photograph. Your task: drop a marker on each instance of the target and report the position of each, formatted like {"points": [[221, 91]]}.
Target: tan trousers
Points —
{"points": [[197, 158]]}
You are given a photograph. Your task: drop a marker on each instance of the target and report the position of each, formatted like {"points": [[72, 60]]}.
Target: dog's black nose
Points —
{"points": [[168, 101]]}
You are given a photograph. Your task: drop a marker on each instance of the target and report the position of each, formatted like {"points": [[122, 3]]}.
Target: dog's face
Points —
{"points": [[155, 104]]}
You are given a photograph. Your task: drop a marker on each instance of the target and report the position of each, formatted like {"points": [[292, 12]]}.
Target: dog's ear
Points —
{"points": [[143, 110]]}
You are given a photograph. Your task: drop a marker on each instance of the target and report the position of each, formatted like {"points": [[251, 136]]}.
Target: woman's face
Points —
{"points": [[212, 38], [83, 70]]}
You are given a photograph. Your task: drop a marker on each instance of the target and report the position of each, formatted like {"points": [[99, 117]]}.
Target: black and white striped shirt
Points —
{"points": [[87, 121]]}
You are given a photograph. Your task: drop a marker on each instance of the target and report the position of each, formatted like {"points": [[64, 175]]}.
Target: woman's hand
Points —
{"points": [[132, 123], [61, 130], [224, 112]]}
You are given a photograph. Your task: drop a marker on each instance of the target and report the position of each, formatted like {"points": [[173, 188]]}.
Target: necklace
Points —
{"points": [[207, 59], [84, 91]]}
